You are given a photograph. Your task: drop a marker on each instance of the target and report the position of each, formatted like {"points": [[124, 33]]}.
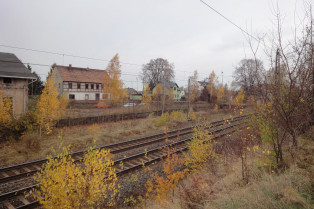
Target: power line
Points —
{"points": [[63, 54], [228, 20], [45, 65], [75, 56]]}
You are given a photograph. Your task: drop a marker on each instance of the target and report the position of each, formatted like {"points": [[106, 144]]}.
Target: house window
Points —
{"points": [[71, 96], [86, 97], [78, 86], [70, 85], [92, 86], [174, 88], [86, 86], [97, 86], [7, 80]]}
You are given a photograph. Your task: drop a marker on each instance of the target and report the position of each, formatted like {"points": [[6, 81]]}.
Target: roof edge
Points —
{"points": [[7, 76]]}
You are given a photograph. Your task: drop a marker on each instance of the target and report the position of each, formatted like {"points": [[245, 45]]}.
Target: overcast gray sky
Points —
{"points": [[185, 32]]}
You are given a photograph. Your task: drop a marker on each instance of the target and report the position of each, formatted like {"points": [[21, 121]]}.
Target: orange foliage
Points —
{"points": [[171, 168]]}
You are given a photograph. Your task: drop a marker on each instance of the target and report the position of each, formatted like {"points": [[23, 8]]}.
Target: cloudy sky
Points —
{"points": [[186, 32]]}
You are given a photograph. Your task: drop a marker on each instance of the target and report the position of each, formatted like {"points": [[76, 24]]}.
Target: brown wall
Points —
{"points": [[18, 90]]}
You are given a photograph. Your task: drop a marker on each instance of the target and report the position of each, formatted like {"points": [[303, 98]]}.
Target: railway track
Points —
{"points": [[17, 199]]}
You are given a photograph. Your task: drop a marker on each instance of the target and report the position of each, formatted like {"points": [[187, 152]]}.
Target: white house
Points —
{"points": [[79, 83]]}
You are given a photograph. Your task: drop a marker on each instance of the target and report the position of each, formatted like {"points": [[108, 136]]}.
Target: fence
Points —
{"points": [[102, 117]]}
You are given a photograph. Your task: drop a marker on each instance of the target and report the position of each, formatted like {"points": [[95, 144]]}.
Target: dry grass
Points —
{"points": [[77, 112], [30, 147], [221, 185]]}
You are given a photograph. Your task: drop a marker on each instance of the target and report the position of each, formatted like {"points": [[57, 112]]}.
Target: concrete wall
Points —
{"points": [[18, 90]]}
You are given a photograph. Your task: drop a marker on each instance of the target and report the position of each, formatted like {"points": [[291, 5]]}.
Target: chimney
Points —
{"points": [[70, 66], [87, 68]]}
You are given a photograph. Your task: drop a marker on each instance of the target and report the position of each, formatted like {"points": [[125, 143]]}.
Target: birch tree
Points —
{"points": [[113, 85], [50, 107]]}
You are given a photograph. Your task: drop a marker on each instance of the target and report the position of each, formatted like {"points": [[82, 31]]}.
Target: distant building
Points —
{"points": [[80, 83], [133, 94], [14, 77], [182, 94], [171, 90], [202, 85]]}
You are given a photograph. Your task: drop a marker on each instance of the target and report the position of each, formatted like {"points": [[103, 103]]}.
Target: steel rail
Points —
{"points": [[127, 169], [115, 148]]}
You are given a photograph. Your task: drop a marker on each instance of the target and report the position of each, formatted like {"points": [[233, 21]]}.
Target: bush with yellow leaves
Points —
{"points": [[65, 184], [175, 116], [192, 114], [173, 173], [201, 147]]}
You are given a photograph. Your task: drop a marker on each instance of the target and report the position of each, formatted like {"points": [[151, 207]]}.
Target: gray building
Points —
{"points": [[14, 77]]}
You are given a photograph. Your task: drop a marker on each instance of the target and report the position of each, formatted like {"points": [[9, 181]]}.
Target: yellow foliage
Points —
{"points": [[201, 148], [162, 120], [49, 107], [192, 114], [216, 108], [211, 86], [171, 169], [147, 99], [6, 109], [64, 184], [220, 93], [239, 98], [158, 92], [149, 186], [113, 85], [177, 116]]}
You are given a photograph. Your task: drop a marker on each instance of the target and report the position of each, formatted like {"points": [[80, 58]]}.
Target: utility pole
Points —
{"points": [[188, 112]]}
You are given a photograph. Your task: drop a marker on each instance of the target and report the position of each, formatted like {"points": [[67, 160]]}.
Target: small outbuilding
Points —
{"points": [[14, 79]]}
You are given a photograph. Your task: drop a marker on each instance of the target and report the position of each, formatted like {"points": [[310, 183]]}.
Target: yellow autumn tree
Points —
{"points": [[238, 100], [113, 85], [201, 148], [50, 107], [146, 98], [64, 184], [173, 173], [211, 86], [158, 92], [6, 109], [220, 94]]}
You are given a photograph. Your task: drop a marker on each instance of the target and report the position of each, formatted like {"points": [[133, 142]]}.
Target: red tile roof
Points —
{"points": [[77, 74]]}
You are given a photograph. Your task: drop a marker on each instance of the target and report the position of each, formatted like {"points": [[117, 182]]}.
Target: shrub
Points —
{"points": [[64, 184], [177, 116], [201, 148], [17, 127], [162, 120]]}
